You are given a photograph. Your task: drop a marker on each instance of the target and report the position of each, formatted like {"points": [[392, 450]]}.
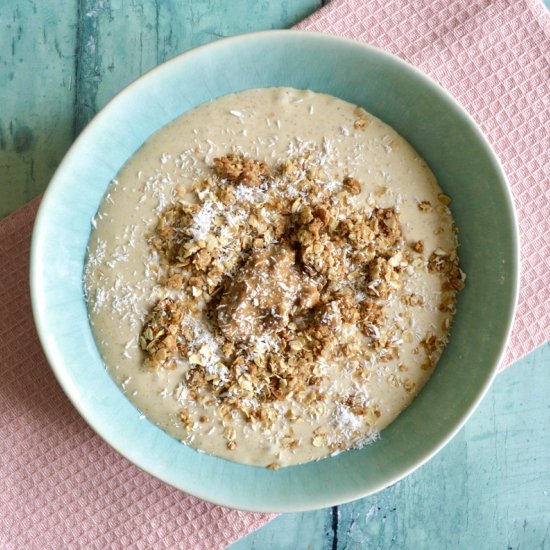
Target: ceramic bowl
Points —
{"points": [[428, 117]]}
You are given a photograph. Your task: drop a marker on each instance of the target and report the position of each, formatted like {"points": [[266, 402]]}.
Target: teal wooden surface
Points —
{"points": [[37, 46], [60, 62]]}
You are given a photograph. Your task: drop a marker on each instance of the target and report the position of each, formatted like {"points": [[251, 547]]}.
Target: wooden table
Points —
{"points": [[60, 62]]}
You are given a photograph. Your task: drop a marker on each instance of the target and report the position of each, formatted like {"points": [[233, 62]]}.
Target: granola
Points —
{"points": [[302, 269]]}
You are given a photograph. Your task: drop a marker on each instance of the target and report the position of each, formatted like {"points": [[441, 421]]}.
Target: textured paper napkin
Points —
{"points": [[62, 487]]}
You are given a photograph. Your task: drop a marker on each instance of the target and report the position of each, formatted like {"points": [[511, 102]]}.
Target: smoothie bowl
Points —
{"points": [[324, 220]]}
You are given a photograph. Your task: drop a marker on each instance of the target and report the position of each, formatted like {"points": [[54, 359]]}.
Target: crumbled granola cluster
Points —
{"points": [[285, 268]]}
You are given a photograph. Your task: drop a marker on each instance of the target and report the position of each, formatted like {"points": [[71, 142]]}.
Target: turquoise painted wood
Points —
{"points": [[37, 88], [62, 61], [488, 489]]}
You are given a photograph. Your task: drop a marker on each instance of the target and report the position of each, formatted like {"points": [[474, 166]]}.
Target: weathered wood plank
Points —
{"points": [[60, 62], [117, 43], [37, 48], [489, 488]]}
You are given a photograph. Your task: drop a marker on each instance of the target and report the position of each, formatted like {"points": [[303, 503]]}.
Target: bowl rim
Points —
{"points": [[105, 111]]}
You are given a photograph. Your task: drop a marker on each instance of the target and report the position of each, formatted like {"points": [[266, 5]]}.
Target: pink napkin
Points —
{"points": [[61, 486]]}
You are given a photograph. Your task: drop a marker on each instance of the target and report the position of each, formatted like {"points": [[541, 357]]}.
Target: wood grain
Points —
{"points": [[37, 58], [60, 62]]}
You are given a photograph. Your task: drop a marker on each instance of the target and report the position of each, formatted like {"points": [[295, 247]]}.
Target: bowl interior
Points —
{"points": [[392, 90]]}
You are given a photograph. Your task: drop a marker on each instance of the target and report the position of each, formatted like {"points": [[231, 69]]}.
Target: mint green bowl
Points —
{"points": [[416, 107]]}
